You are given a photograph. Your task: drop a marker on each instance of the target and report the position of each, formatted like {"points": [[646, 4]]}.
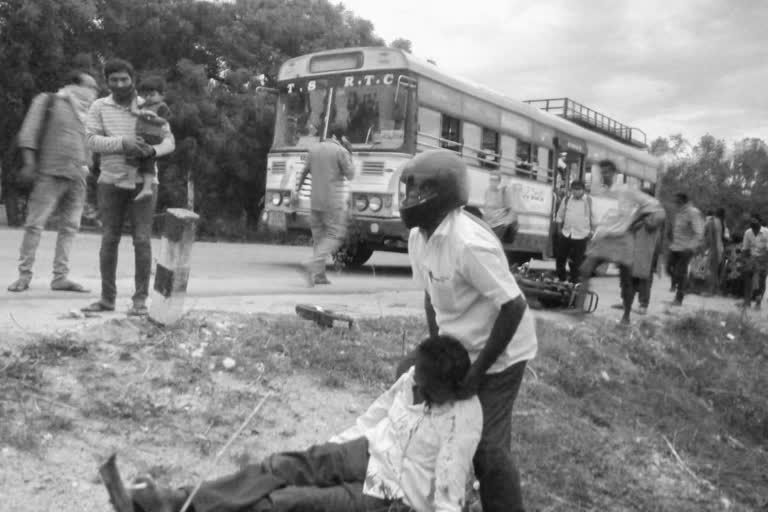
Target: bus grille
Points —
{"points": [[306, 187], [278, 167], [370, 167]]}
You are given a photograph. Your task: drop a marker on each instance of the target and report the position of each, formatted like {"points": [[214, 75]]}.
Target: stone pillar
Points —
{"points": [[173, 262]]}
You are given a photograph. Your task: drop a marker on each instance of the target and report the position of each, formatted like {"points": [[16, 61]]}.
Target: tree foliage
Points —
{"points": [[214, 56], [715, 175], [402, 44]]}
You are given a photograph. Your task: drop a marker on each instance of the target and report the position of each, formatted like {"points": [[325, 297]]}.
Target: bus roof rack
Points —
{"points": [[592, 120]]}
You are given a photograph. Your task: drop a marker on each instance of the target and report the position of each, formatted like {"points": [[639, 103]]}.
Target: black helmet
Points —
{"points": [[432, 184]]}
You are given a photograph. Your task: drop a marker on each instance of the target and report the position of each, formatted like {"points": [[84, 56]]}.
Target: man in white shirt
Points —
{"points": [[754, 247], [576, 223], [614, 237], [410, 452], [470, 295]]}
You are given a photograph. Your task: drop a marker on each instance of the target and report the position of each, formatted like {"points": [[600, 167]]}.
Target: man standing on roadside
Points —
{"points": [[755, 249], [576, 223], [111, 129], [330, 163], [687, 237], [53, 145], [470, 295]]}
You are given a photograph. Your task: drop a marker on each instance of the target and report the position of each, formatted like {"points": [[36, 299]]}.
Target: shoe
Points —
{"points": [[98, 307], [321, 279], [624, 321], [147, 497], [743, 304], [676, 303], [642, 310], [65, 285], [19, 285]]}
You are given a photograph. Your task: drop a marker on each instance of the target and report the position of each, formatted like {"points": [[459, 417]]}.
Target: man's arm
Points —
{"points": [[345, 164], [98, 141], [431, 316], [30, 128], [454, 459], [484, 269]]}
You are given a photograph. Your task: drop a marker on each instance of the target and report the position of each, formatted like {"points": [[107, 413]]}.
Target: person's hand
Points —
{"points": [[469, 386], [144, 149], [131, 145], [27, 174]]}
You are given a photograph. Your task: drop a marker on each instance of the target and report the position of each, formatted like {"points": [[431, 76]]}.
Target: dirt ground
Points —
{"points": [[667, 415]]}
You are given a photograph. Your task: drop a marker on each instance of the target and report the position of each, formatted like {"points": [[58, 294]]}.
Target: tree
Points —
{"points": [[212, 54], [402, 44]]}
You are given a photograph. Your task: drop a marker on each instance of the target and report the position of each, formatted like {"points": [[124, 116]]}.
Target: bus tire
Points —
{"points": [[352, 255]]}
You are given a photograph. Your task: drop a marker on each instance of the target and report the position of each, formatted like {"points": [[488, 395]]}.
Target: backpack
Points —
{"points": [[588, 202], [16, 160]]}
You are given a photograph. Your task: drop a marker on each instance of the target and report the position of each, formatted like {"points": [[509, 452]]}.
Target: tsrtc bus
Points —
{"points": [[394, 106]]}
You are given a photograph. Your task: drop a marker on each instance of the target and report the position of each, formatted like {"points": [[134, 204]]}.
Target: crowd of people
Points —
{"points": [[637, 234], [450, 407]]}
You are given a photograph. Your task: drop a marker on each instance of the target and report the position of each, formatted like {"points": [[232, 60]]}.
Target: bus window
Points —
{"points": [[489, 148], [450, 133], [370, 115], [301, 114], [524, 159]]}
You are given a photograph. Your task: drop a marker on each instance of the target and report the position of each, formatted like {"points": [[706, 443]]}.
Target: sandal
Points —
{"points": [[65, 285], [97, 307], [138, 310], [19, 285]]}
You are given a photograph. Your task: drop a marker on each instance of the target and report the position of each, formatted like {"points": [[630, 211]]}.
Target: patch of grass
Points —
{"points": [[51, 349]]}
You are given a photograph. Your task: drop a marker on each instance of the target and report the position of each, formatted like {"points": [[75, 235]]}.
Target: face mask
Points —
{"points": [[83, 95]]}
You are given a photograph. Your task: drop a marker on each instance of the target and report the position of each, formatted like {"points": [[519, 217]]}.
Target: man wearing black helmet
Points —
{"points": [[471, 295]]}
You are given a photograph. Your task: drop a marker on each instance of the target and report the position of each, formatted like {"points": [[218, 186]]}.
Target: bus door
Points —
{"points": [[570, 157]]}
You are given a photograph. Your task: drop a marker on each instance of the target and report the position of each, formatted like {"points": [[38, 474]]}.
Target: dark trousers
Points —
{"points": [[326, 478], [678, 270], [494, 466], [570, 250], [754, 291], [115, 204], [626, 283], [642, 287]]}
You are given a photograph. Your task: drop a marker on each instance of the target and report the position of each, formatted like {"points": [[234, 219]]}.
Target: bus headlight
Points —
{"points": [[361, 203], [286, 198], [374, 203], [276, 198]]}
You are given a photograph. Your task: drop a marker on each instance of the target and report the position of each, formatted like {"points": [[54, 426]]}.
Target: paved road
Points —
{"points": [[245, 278]]}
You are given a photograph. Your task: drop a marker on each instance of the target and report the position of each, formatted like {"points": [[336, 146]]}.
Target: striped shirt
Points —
{"points": [[63, 150], [107, 124]]}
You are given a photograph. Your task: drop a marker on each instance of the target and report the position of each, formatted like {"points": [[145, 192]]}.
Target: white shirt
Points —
{"points": [[576, 216], [463, 268], [418, 453], [617, 220], [756, 244]]}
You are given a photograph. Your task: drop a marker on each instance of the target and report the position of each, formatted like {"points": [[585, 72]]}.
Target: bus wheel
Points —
{"points": [[352, 255]]}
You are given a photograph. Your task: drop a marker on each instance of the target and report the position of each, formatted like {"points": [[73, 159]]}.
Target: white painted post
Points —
{"points": [[173, 263]]}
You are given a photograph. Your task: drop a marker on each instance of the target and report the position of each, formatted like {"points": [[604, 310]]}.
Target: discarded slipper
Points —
{"points": [[65, 285], [97, 307]]}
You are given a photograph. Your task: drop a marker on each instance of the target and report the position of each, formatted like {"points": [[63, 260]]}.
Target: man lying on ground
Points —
{"points": [[410, 452]]}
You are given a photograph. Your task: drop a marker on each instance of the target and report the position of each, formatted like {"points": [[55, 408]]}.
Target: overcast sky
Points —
{"points": [[664, 66]]}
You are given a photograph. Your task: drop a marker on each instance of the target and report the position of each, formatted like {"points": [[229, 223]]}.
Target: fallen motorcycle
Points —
{"points": [[543, 287]]}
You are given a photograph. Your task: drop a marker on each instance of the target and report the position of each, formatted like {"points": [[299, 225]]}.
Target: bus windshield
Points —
{"points": [[371, 108], [301, 114]]}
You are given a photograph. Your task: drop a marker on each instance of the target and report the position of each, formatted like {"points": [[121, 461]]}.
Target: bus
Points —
{"points": [[394, 105]]}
